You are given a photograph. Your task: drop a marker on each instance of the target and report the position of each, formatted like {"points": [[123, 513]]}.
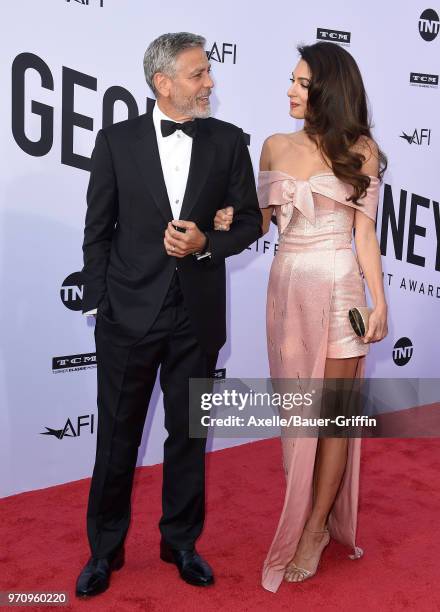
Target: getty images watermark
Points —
{"points": [[263, 408], [252, 401]]}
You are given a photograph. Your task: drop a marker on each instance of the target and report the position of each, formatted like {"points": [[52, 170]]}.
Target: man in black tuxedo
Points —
{"points": [[154, 269]]}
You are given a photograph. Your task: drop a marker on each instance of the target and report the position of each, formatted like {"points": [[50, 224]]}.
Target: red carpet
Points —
{"points": [[43, 542]]}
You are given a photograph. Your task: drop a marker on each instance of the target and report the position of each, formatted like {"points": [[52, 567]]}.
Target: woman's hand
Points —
{"points": [[224, 218], [377, 324]]}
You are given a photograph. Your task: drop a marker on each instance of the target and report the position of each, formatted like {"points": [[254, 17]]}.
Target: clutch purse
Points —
{"points": [[359, 318]]}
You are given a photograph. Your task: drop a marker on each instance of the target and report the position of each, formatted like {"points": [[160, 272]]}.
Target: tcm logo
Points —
{"points": [[223, 52], [71, 363], [418, 137], [220, 374], [423, 80], [87, 2], [402, 351], [429, 25], [84, 424], [72, 291], [336, 36]]}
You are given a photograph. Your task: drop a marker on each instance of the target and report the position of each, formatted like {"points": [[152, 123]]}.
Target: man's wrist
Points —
{"points": [[206, 245], [205, 251]]}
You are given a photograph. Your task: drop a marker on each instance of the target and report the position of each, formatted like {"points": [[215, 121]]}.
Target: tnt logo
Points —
{"points": [[402, 351], [220, 374], [429, 25], [72, 291]]}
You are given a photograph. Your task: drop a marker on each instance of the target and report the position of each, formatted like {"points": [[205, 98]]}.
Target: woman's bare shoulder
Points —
{"points": [[279, 142], [275, 140], [272, 147]]}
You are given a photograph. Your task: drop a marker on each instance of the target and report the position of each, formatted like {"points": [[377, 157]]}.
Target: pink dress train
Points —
{"points": [[314, 280]]}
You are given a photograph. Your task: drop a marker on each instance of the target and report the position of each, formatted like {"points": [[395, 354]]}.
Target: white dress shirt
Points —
{"points": [[175, 157]]}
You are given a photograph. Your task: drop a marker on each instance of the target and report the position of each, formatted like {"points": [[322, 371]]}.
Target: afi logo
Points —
{"points": [[71, 292], [223, 52], [333, 35], [69, 431], [220, 373], [429, 25], [402, 351], [418, 137], [87, 2]]}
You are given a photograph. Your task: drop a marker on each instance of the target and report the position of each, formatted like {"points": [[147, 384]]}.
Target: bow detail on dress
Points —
{"points": [[296, 194], [285, 192]]}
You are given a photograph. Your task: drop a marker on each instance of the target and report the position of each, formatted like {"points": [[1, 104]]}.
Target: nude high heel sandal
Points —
{"points": [[304, 574]]}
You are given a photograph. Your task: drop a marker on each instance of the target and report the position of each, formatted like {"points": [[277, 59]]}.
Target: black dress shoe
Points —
{"points": [[192, 568], [95, 576]]}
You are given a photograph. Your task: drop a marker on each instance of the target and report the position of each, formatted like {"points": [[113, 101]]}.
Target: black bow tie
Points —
{"points": [[169, 127]]}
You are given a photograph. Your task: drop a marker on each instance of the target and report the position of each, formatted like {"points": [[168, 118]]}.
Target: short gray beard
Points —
{"points": [[191, 110], [202, 113]]}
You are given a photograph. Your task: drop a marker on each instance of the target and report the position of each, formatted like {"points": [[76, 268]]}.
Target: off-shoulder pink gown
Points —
{"points": [[314, 280]]}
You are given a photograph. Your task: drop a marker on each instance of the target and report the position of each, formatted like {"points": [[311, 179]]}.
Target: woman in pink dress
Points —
{"points": [[320, 183]]}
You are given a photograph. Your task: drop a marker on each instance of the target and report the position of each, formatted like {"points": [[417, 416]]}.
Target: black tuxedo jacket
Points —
{"points": [[127, 271]]}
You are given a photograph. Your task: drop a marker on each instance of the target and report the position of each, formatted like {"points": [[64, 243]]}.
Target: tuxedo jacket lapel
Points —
{"points": [[202, 157], [146, 155]]}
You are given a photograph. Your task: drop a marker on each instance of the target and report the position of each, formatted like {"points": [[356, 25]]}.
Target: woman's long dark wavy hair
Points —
{"points": [[337, 113]]}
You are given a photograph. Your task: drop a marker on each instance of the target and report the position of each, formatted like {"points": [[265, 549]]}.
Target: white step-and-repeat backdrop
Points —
{"points": [[70, 66]]}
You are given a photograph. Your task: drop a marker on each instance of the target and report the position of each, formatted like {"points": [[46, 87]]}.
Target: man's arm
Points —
{"points": [[102, 213], [242, 194]]}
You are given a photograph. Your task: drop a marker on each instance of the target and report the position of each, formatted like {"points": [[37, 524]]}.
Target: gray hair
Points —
{"points": [[162, 53]]}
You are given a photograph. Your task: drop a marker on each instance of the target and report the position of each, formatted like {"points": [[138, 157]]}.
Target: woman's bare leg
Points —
{"points": [[330, 462]]}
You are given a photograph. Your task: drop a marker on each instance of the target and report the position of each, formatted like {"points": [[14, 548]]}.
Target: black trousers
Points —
{"points": [[126, 377]]}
